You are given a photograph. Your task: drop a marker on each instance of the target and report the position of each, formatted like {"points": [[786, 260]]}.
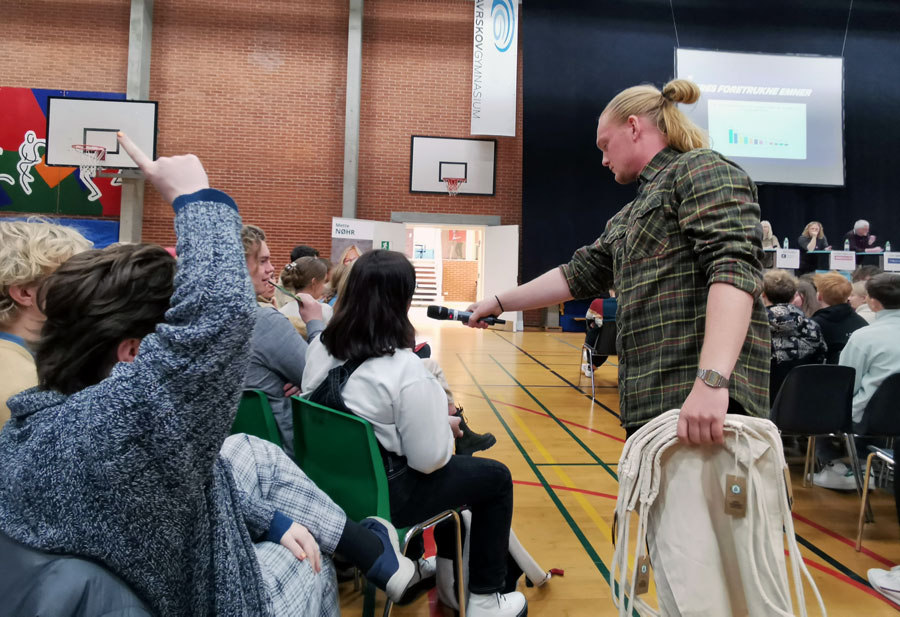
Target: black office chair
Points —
{"points": [[880, 419], [816, 399], [33, 582]]}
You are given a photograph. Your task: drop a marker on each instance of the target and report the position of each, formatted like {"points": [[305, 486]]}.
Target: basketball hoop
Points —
{"points": [[91, 158], [453, 184]]}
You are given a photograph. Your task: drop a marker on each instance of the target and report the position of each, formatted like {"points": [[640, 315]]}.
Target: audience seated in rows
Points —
{"points": [[125, 438], [371, 338], [306, 275], [301, 250], [806, 299], [859, 300], [874, 351], [836, 318], [278, 352], [864, 273], [29, 252], [794, 336]]}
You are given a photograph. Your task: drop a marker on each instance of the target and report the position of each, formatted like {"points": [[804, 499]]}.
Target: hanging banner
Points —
{"points": [[494, 62]]}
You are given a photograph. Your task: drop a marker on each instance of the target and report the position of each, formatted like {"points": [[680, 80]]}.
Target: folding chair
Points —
{"points": [[339, 452], [880, 419], [816, 399], [254, 417], [604, 345]]}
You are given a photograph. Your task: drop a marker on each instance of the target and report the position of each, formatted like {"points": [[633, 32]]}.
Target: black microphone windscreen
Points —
{"points": [[437, 312]]}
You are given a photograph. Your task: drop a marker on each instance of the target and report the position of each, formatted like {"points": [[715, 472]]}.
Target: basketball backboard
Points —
{"points": [[81, 121], [434, 158]]}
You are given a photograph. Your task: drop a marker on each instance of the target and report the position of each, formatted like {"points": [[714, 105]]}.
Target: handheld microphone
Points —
{"points": [[442, 312]]}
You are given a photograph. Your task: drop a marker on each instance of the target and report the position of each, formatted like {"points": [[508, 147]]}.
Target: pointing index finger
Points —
{"points": [[136, 154]]}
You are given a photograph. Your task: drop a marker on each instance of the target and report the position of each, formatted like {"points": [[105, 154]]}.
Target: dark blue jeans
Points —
{"points": [[482, 485]]}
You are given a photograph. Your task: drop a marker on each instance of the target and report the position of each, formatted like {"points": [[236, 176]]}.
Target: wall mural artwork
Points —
{"points": [[27, 184]]}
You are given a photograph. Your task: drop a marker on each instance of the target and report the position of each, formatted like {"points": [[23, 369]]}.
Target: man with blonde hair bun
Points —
{"points": [[29, 252], [685, 257]]}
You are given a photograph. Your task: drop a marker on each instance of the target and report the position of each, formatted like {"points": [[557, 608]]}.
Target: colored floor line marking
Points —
{"points": [[578, 495], [541, 413], [834, 563], [564, 512], [567, 488], [845, 540], [561, 424], [503, 338], [569, 422], [846, 579], [568, 464]]}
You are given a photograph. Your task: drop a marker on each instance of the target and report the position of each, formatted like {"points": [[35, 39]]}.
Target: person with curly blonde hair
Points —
{"points": [[29, 252]]}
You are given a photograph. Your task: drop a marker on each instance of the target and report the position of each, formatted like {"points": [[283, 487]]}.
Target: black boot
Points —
{"points": [[471, 441]]}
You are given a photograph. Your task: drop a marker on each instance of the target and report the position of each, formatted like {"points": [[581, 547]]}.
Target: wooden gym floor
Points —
{"points": [[563, 448]]}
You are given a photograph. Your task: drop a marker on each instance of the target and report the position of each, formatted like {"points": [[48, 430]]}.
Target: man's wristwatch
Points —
{"points": [[712, 378]]}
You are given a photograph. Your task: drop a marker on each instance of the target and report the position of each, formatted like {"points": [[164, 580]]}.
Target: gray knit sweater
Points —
{"points": [[128, 472]]}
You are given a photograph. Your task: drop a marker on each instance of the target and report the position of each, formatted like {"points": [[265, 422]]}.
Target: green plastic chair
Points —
{"points": [[339, 452], [254, 417]]}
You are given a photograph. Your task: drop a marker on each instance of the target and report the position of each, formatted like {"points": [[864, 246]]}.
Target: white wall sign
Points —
{"points": [[352, 228], [494, 61], [890, 262], [787, 258], [842, 260]]}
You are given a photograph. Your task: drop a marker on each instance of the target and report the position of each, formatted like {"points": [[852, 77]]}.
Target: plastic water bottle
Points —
{"points": [[785, 244], [887, 246], [846, 244]]}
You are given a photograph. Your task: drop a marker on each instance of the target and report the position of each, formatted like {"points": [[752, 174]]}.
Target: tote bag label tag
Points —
{"points": [[735, 496], [642, 584]]}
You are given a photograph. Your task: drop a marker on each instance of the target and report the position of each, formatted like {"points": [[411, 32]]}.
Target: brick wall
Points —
{"points": [[42, 45], [257, 91], [460, 280]]}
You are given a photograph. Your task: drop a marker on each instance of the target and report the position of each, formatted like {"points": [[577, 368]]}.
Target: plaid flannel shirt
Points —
{"points": [[694, 222]]}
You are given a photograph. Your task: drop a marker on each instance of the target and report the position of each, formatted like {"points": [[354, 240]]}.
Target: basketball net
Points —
{"points": [[91, 159], [453, 185]]}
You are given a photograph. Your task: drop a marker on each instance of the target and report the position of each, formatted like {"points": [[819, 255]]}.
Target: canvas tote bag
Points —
{"points": [[706, 561]]}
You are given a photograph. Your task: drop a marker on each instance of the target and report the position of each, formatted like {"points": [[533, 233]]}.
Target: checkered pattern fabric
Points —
{"points": [[694, 222], [263, 471]]}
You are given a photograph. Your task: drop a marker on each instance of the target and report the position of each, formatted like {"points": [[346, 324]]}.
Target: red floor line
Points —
{"points": [[567, 488], [541, 413], [849, 581], [847, 541]]}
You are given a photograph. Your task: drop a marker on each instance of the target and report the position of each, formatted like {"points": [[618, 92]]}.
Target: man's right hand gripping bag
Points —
{"points": [[716, 520]]}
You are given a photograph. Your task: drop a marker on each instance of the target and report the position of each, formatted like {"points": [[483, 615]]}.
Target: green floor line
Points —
{"points": [[568, 464], [585, 543], [559, 422], [560, 377]]}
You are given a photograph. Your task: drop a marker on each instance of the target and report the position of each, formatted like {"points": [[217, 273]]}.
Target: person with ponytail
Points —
{"points": [[685, 257]]}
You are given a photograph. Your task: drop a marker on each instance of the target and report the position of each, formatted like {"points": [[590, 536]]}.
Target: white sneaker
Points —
{"points": [[837, 476], [586, 369], [423, 579], [511, 604], [886, 582]]}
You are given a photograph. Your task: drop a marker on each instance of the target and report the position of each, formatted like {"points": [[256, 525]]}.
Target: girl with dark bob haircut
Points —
{"points": [[364, 363], [370, 318]]}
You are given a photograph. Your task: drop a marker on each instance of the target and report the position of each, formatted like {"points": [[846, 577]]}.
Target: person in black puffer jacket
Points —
{"points": [[837, 319]]}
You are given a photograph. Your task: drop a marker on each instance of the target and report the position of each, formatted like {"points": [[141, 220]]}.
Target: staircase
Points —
{"points": [[428, 290]]}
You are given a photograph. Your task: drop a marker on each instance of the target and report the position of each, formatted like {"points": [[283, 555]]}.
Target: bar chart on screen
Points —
{"points": [[761, 129]]}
